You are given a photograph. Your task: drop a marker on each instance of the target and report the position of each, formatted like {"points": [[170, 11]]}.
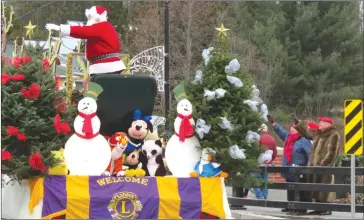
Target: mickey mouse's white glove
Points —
{"points": [[53, 27], [121, 173]]}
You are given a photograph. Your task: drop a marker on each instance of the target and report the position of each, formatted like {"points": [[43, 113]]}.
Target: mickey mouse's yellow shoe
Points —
{"points": [[130, 173], [139, 172]]}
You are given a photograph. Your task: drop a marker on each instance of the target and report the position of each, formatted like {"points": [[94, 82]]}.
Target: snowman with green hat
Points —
{"points": [[86, 151], [183, 148]]}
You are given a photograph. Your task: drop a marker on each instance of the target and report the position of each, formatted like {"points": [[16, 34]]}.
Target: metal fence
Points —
{"points": [[297, 186]]}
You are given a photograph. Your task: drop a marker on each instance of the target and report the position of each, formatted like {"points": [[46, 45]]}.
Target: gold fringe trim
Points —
{"points": [[56, 214]]}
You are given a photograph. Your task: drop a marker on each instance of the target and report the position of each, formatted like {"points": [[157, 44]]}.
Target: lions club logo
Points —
{"points": [[125, 205]]}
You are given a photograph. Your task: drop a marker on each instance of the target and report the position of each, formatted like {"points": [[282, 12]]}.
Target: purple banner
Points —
{"points": [[190, 194], [123, 198], [55, 195]]}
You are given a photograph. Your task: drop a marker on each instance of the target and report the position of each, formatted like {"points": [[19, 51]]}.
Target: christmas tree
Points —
{"points": [[34, 118], [226, 113]]}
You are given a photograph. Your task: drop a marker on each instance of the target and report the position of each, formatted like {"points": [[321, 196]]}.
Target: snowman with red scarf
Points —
{"points": [[183, 148], [87, 152]]}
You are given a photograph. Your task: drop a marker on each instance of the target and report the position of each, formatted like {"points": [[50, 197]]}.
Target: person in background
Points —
{"points": [[265, 158], [325, 149], [246, 192], [296, 152]]}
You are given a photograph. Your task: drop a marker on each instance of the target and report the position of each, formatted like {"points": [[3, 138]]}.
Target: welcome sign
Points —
{"points": [[95, 197]]}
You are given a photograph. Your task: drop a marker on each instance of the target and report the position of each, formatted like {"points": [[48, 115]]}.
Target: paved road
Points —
{"points": [[274, 213]]}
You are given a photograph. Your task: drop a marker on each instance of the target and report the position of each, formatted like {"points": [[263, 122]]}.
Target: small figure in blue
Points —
{"points": [[206, 168], [138, 131]]}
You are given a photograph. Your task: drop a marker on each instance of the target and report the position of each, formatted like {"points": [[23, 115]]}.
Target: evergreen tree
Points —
{"points": [[30, 102], [34, 51], [231, 106], [315, 48]]}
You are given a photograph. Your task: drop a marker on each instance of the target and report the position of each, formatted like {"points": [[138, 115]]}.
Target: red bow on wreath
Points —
{"points": [[31, 93], [61, 127], [6, 155], [46, 64], [18, 61], [5, 78], [14, 131], [58, 84], [35, 161], [60, 104]]}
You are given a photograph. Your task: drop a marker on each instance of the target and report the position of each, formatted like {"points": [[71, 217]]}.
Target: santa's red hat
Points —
{"points": [[97, 13], [326, 119]]}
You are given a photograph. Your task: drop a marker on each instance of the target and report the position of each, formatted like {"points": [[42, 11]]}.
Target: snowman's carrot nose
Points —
{"points": [[209, 158]]}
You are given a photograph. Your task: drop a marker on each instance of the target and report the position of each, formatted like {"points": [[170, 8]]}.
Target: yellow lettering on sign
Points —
{"points": [[108, 180], [135, 180], [101, 182], [113, 180], [144, 181]]}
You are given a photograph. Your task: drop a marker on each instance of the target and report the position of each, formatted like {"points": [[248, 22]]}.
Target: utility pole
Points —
{"points": [[166, 63], [362, 15]]}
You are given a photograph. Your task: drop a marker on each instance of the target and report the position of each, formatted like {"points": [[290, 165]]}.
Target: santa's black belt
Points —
{"points": [[104, 57]]}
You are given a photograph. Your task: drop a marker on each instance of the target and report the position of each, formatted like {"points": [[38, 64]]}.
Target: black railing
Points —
{"points": [[298, 186]]}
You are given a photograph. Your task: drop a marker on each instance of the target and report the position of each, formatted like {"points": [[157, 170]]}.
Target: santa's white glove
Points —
{"points": [[106, 173], [54, 27]]}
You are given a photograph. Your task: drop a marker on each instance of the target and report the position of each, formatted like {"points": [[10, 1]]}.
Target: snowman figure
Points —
{"points": [[183, 148], [87, 152]]}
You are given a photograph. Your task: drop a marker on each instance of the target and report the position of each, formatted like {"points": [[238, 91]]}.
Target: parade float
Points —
{"points": [[94, 159]]}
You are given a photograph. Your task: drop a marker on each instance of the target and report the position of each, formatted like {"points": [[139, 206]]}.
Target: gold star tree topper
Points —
{"points": [[30, 30], [222, 30]]}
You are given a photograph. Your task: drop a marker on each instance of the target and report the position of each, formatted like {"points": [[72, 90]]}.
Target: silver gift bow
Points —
{"points": [[252, 137], [233, 67], [206, 55], [226, 124], [235, 81], [202, 128], [218, 93], [198, 77], [236, 153], [252, 104]]}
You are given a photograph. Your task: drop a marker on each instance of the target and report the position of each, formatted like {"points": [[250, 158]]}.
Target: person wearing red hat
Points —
{"points": [[103, 45], [296, 152], [325, 149]]}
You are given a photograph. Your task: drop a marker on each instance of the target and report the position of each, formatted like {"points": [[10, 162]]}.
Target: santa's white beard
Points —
{"points": [[90, 22]]}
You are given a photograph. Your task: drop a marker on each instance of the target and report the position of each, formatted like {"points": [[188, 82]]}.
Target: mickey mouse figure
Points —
{"points": [[138, 131]]}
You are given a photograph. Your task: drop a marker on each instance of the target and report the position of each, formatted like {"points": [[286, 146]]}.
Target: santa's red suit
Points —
{"points": [[103, 45]]}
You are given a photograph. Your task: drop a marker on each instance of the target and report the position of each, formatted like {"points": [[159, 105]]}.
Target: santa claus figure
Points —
{"points": [[103, 45]]}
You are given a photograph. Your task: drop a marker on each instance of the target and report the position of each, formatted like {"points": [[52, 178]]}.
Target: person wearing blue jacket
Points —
{"points": [[296, 152]]}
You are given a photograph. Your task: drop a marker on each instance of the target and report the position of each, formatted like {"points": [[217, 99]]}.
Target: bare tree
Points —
{"points": [[191, 30]]}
